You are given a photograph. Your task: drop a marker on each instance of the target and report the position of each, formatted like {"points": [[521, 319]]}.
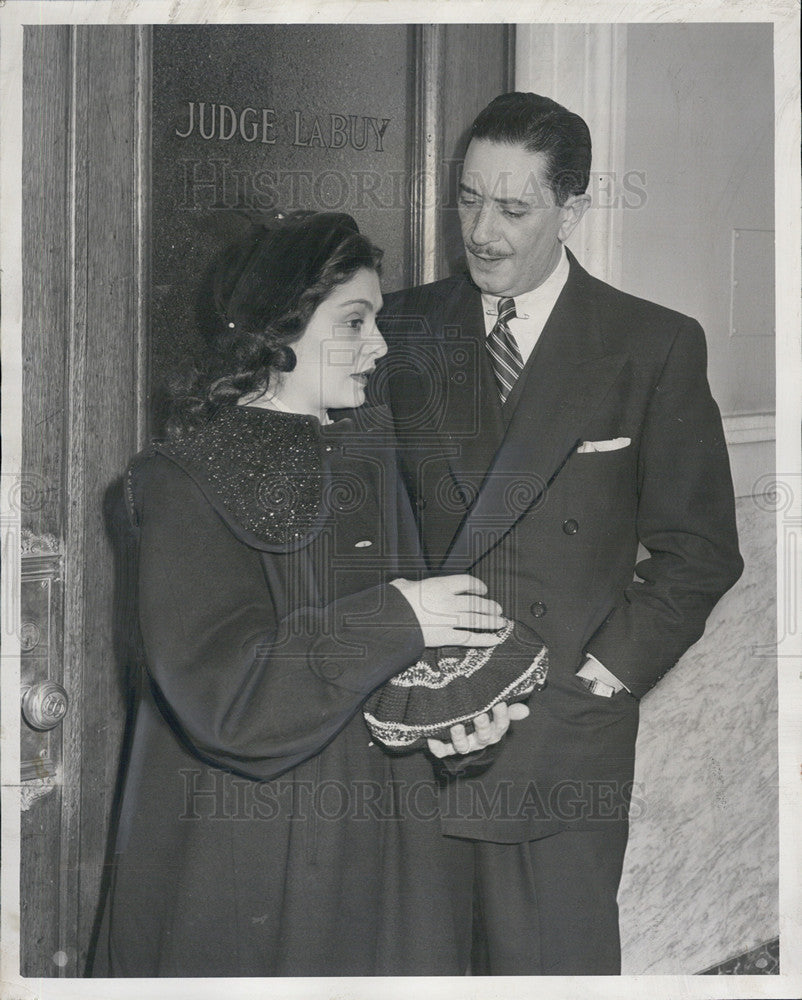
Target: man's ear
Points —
{"points": [[571, 212]]}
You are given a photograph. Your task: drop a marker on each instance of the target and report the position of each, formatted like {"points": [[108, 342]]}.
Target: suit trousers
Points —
{"points": [[548, 907]]}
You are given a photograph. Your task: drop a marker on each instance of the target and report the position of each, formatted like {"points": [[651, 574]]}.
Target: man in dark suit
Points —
{"points": [[549, 424]]}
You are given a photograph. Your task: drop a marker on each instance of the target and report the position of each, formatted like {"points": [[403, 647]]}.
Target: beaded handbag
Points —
{"points": [[454, 684]]}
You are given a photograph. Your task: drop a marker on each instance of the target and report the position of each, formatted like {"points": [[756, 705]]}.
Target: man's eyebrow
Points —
{"points": [[518, 202], [468, 189]]}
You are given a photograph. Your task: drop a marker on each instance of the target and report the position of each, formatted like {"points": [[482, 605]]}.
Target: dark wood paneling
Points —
{"points": [[85, 211], [205, 189], [39, 883], [478, 58], [45, 290], [45, 334], [107, 345], [459, 68]]}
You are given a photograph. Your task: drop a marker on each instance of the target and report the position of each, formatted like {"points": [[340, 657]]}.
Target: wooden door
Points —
{"points": [[87, 340], [84, 215]]}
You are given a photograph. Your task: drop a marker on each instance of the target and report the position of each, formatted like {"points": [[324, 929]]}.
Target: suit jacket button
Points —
{"points": [[570, 527], [538, 609], [420, 503]]}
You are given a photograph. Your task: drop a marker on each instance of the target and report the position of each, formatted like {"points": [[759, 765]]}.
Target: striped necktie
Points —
{"points": [[504, 354]]}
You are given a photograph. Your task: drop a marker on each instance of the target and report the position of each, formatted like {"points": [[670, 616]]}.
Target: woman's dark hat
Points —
{"points": [[297, 247]]}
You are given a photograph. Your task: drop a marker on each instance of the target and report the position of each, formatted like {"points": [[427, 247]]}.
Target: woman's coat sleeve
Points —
{"points": [[246, 690]]}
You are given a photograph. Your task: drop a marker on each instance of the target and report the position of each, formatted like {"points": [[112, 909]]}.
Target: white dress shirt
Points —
{"points": [[532, 308]]}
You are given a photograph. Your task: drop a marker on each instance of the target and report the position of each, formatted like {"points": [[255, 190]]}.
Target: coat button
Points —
{"points": [[420, 503], [538, 609], [570, 527]]}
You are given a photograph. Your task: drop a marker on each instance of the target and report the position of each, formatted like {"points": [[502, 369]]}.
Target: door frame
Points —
{"points": [[85, 220]]}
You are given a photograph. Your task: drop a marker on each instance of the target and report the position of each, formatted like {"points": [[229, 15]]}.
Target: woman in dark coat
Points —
{"points": [[261, 831]]}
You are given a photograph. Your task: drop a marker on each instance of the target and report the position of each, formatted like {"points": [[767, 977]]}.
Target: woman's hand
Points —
{"points": [[448, 606], [486, 731]]}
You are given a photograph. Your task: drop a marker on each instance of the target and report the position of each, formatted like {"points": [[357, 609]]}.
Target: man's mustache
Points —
{"points": [[476, 251]]}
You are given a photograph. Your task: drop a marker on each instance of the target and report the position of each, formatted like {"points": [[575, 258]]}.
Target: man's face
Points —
{"points": [[512, 226]]}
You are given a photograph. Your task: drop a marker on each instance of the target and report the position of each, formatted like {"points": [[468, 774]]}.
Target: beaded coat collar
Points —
{"points": [[262, 470]]}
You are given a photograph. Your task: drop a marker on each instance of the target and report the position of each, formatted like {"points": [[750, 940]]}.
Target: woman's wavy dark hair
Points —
{"points": [[266, 288]]}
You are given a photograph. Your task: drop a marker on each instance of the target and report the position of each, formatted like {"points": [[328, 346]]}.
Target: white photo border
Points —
{"points": [[785, 17]]}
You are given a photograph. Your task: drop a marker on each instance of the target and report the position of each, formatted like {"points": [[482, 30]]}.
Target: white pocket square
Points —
{"points": [[612, 445]]}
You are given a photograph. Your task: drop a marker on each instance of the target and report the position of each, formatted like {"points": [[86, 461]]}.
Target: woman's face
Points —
{"points": [[338, 349]]}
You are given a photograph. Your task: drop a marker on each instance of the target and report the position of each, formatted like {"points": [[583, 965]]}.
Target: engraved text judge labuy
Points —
{"points": [[329, 131]]}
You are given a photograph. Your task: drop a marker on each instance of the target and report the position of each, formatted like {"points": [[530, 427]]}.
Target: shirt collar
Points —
{"points": [[528, 302]]}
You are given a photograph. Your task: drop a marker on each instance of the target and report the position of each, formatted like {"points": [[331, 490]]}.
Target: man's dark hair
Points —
{"points": [[541, 125]]}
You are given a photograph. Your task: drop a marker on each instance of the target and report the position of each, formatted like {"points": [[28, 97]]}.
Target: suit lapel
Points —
{"points": [[563, 383], [473, 424], [447, 411]]}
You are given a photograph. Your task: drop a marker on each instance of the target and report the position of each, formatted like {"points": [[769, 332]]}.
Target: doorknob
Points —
{"points": [[44, 705]]}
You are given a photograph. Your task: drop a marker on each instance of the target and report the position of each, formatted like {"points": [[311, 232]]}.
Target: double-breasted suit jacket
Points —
{"points": [[610, 440]]}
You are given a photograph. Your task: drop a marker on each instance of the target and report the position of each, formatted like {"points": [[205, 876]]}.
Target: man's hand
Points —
{"points": [[486, 731]]}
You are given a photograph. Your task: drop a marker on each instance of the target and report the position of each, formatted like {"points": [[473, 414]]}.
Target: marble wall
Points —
{"points": [[700, 881]]}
